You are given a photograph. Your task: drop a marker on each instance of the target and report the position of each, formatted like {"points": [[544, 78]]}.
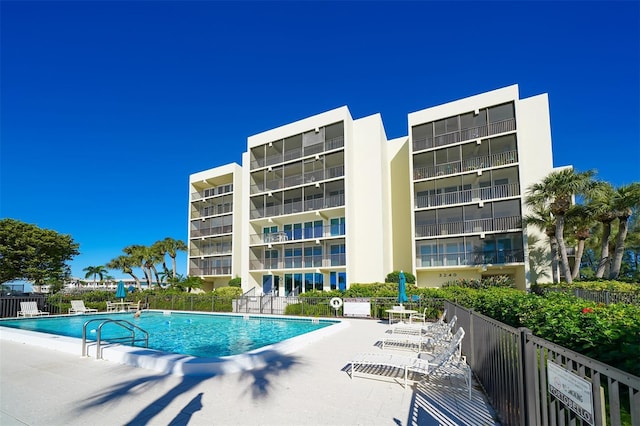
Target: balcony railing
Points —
{"points": [[306, 178], [463, 135], [298, 262], [298, 207], [468, 195], [218, 270], [294, 154], [210, 192], [470, 164], [215, 230], [211, 251], [298, 234], [472, 258], [216, 210], [469, 226]]}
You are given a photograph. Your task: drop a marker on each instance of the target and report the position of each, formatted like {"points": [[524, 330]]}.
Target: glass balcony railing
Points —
{"points": [[470, 164], [472, 258], [469, 226], [215, 230], [298, 234], [298, 262], [468, 196], [298, 207], [296, 153], [303, 179], [218, 270], [464, 135]]}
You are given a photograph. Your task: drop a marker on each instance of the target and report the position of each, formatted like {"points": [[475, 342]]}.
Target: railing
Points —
{"points": [[305, 178], [214, 230], [466, 134], [469, 258], [296, 262], [216, 250], [469, 226], [298, 206], [210, 211], [598, 296], [10, 305], [474, 195], [298, 234], [294, 154], [217, 270], [512, 366], [126, 325], [470, 164]]}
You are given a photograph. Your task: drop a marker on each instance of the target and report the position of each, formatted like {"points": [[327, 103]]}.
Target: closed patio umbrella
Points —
{"points": [[121, 292], [402, 292]]}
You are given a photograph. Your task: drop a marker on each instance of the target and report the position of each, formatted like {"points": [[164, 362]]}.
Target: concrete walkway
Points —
{"points": [[309, 387]]}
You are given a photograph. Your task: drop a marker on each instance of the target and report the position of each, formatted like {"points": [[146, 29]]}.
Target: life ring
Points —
{"points": [[336, 303]]}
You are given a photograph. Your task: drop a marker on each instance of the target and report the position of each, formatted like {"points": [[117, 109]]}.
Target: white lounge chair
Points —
{"points": [[30, 309], [420, 339], [111, 307], [446, 363], [77, 307]]}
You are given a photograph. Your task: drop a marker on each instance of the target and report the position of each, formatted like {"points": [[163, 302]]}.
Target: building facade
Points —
{"points": [[328, 200]]}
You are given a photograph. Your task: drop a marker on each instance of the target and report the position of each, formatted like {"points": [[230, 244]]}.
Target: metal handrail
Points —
{"points": [[122, 323]]}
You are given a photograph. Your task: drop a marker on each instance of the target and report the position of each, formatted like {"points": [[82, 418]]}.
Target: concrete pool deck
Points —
{"points": [[308, 386]]}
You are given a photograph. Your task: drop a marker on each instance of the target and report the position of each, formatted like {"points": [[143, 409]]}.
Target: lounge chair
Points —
{"points": [[423, 317], [420, 338], [77, 307], [30, 309], [446, 363], [111, 307]]}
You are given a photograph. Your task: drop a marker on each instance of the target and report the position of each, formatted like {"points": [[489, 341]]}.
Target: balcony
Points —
{"points": [[471, 258], [214, 250], [298, 262], [299, 234], [219, 270], [469, 226], [306, 178], [216, 230], [508, 125], [467, 165], [298, 207], [467, 196], [295, 154]]}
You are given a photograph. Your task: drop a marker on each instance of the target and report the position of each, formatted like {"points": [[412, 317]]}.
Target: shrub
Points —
{"points": [[235, 282], [394, 277], [229, 292]]}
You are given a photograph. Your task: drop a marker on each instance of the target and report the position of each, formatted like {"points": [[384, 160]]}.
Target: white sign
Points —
{"points": [[571, 390], [357, 307]]}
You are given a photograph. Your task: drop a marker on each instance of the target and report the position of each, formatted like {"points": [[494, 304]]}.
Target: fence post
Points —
{"points": [[526, 379]]}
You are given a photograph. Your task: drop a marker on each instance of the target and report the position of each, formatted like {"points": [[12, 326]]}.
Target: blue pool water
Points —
{"points": [[199, 335]]}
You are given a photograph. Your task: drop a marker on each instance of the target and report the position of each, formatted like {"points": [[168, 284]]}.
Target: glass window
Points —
{"points": [[501, 113]]}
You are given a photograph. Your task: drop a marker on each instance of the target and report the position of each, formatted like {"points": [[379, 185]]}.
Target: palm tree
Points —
{"points": [[542, 219], [125, 264], [557, 190], [625, 199], [95, 271], [146, 258], [171, 247], [602, 210], [580, 219]]}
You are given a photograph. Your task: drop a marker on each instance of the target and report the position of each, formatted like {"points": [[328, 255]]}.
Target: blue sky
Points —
{"points": [[108, 107]]}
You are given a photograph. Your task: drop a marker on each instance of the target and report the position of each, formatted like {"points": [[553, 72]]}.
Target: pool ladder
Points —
{"points": [[130, 327]]}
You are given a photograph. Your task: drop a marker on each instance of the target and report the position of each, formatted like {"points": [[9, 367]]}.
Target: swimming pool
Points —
{"points": [[199, 335], [179, 342]]}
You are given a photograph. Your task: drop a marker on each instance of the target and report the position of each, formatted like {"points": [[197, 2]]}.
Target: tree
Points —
{"points": [[580, 219], [95, 272], [624, 200], [146, 258], [542, 219], [34, 254], [600, 205], [557, 190], [125, 264], [171, 247]]}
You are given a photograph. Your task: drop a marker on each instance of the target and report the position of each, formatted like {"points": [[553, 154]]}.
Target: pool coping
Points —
{"points": [[176, 364]]}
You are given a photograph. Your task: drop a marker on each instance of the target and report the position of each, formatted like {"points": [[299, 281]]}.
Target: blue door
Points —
{"points": [[267, 283]]}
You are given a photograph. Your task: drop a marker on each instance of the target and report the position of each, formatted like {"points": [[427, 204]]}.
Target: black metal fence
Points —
{"points": [[599, 296], [10, 305], [514, 367]]}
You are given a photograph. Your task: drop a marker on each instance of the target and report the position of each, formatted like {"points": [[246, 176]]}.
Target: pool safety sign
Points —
{"points": [[571, 390]]}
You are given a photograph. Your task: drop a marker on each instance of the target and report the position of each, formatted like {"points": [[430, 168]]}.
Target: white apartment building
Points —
{"points": [[328, 200]]}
